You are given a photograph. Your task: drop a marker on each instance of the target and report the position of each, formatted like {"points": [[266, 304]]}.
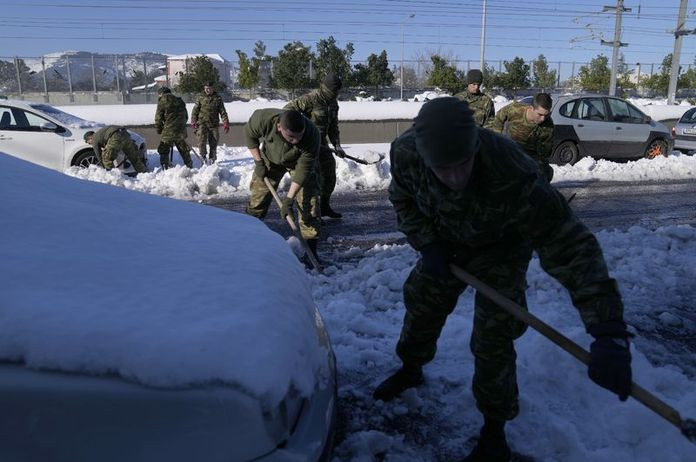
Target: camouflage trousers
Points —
{"points": [[182, 146], [306, 200], [208, 136], [327, 173], [429, 301], [121, 141]]}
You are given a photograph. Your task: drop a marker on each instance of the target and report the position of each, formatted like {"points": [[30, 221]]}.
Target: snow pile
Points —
{"points": [[564, 416], [166, 293], [674, 167]]}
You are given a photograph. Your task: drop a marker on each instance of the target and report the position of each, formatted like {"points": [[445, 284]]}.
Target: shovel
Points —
{"points": [[686, 426], [293, 226], [362, 161]]}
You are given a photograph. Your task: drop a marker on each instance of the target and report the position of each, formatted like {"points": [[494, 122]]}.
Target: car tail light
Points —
{"points": [[674, 132]]}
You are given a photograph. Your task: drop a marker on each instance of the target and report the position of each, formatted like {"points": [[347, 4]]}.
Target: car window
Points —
{"points": [[12, 118], [6, 118], [622, 112], [591, 109], [567, 109], [689, 117]]}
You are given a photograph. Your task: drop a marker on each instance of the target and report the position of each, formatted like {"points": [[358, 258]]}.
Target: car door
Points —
{"points": [[630, 129], [592, 127], [24, 134]]}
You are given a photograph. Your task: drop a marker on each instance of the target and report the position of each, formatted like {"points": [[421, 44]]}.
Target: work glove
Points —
{"points": [[194, 124], [340, 152], [286, 207], [226, 127], [260, 169], [435, 259], [610, 357]]}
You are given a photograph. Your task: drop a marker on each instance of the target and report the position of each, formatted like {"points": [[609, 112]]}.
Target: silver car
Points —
{"points": [[605, 127], [684, 132]]}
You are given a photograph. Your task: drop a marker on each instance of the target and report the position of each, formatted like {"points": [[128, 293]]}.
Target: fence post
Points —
{"points": [[43, 68], [126, 93], [147, 93], [95, 98], [558, 77], [70, 89], [118, 79], [19, 79]]}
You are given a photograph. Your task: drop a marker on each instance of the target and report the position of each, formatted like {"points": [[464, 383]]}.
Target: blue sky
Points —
{"points": [[562, 31]]}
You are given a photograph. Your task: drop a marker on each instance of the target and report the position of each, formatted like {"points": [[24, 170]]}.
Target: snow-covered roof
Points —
{"points": [[213, 56]]}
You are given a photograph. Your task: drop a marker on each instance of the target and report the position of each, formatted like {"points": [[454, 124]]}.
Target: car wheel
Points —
{"points": [[657, 147], [85, 159], [566, 153]]}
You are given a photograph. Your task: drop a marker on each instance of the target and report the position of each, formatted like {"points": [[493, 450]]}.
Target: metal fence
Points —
{"points": [[85, 78]]}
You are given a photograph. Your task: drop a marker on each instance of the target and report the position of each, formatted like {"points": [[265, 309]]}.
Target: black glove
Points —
{"points": [[340, 152], [260, 169], [610, 357], [435, 259], [286, 207]]}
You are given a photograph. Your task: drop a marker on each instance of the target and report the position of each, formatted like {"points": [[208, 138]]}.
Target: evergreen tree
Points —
{"points": [[595, 77], [543, 78], [291, 68], [199, 71], [516, 75], [378, 72], [248, 72], [659, 82], [331, 59], [262, 61], [445, 75]]}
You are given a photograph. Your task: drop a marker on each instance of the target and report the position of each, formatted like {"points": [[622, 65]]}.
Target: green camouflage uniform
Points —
{"points": [[535, 139], [170, 120], [205, 114], [108, 141], [482, 105], [280, 158], [321, 107], [506, 211]]}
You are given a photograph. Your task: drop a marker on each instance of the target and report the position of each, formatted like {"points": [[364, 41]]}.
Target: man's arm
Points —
{"points": [[489, 118], [303, 104], [545, 140], [159, 117], [222, 111], [196, 110], [333, 132], [498, 122]]}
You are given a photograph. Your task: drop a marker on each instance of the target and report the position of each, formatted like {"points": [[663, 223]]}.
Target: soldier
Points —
{"points": [[170, 121], [321, 107], [283, 141], [108, 141], [471, 197], [480, 103], [205, 120], [532, 128]]}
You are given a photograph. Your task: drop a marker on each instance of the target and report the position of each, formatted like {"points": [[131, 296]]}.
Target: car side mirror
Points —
{"points": [[49, 127], [648, 119]]}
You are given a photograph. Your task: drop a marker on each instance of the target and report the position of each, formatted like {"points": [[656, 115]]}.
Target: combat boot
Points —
{"points": [[327, 211], [492, 445], [400, 381]]}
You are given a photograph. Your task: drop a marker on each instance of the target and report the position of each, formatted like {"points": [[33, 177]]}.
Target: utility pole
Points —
{"points": [[482, 63], [676, 54], [616, 44], [401, 79]]}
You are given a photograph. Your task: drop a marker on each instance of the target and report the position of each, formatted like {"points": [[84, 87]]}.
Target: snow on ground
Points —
{"points": [[564, 417], [100, 280], [231, 175], [240, 111]]}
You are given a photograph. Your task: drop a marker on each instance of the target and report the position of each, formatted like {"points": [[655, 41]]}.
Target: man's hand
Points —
{"points": [[435, 259], [286, 207], [340, 152], [194, 124], [226, 127], [260, 169], [610, 357]]}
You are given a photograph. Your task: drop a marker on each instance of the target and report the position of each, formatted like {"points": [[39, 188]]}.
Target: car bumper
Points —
{"points": [[685, 143]]}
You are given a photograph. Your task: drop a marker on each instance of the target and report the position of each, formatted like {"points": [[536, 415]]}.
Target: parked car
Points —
{"points": [[45, 135], [123, 337], [684, 132], [606, 127]]}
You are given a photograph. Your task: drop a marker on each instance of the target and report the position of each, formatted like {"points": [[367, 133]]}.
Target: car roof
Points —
{"points": [[19, 103]]}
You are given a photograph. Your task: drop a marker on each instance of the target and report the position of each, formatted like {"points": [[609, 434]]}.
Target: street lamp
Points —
{"points": [[402, 56]]}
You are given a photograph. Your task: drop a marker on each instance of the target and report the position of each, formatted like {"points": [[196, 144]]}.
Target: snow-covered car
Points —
{"points": [[45, 135], [684, 132], [124, 337], [605, 127]]}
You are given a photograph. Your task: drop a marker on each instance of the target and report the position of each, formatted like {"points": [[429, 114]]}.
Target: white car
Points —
{"points": [[45, 135], [123, 337]]}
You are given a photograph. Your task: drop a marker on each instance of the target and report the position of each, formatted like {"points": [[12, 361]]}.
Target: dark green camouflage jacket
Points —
{"points": [[507, 202], [171, 116], [482, 105], [300, 158], [320, 106], [207, 109], [101, 137], [535, 139]]}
